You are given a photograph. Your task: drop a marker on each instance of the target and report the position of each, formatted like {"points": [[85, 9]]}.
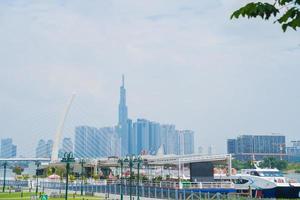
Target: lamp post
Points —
{"points": [[139, 161], [131, 161], [130, 176], [121, 162], [37, 163], [68, 159], [4, 176], [82, 161]]}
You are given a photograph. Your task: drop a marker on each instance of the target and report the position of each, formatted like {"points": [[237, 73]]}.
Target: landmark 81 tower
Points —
{"points": [[123, 117]]}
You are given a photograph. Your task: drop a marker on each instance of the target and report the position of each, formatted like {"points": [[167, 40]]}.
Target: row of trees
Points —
{"points": [[269, 162]]}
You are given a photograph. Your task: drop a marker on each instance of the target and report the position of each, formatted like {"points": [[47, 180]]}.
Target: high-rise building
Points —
{"points": [[49, 146], [91, 142], [188, 138], [41, 149], [109, 142], [248, 147], [231, 146], [44, 149], [293, 152], [67, 145], [131, 139], [8, 149], [123, 119], [142, 136], [154, 137], [169, 139], [85, 142]]}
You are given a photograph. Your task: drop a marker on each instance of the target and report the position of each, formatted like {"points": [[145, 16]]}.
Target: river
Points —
{"points": [[293, 176]]}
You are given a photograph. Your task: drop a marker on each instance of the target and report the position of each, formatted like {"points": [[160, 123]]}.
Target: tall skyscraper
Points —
{"points": [[123, 120], [169, 139], [188, 138], [154, 137], [142, 136], [8, 149]]}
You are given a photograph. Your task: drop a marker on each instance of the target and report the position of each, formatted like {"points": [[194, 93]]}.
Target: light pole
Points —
{"points": [[139, 161], [121, 162], [82, 161], [131, 161], [37, 163], [4, 176], [68, 159]]}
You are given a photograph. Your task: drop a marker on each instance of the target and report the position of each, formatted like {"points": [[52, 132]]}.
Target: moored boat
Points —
{"points": [[264, 183]]}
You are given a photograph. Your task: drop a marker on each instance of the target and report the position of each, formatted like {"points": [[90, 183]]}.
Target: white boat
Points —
{"points": [[265, 183]]}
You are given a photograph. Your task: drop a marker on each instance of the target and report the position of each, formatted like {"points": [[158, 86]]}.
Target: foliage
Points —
{"points": [[157, 179], [25, 177], [59, 170], [96, 177], [106, 171], [294, 166], [271, 162], [238, 165], [289, 11], [72, 178], [18, 170]]}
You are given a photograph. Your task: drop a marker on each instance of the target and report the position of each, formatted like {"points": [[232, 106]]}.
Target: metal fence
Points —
{"points": [[157, 191]]}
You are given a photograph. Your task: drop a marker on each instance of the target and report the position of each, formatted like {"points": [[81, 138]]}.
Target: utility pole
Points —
{"points": [[68, 159]]}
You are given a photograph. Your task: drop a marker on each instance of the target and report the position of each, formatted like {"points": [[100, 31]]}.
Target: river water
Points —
{"points": [[294, 176]]}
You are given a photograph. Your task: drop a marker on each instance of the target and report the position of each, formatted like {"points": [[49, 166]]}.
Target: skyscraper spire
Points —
{"points": [[123, 117]]}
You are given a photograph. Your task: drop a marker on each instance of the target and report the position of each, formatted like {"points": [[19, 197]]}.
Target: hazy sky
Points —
{"points": [[185, 63]]}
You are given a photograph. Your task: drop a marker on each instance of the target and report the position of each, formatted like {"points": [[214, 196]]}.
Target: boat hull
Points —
{"points": [[279, 192]]}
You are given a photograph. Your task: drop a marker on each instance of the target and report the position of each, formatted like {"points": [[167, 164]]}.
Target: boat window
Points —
{"points": [[271, 174], [254, 173], [240, 181]]}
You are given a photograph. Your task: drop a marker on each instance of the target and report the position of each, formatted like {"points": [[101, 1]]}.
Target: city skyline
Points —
{"points": [[186, 64]]}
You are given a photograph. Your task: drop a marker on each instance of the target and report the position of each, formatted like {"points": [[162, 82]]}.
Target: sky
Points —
{"points": [[185, 63]]}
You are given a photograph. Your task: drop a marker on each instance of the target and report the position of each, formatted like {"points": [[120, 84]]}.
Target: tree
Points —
{"points": [[238, 165], [289, 11], [18, 170], [271, 162]]}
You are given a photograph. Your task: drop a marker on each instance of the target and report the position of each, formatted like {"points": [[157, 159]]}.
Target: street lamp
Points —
{"points": [[37, 163], [131, 161], [4, 176], [121, 162], [139, 161], [68, 159], [82, 162]]}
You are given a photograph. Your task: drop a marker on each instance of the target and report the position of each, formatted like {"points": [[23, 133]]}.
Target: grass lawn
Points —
{"points": [[27, 195]]}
